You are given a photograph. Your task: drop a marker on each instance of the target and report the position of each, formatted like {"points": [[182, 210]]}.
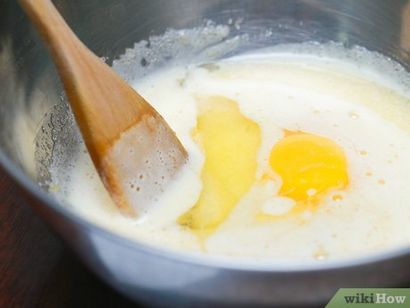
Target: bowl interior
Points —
{"points": [[36, 124]]}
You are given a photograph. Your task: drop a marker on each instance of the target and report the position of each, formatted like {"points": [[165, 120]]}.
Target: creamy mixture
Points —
{"points": [[291, 157]]}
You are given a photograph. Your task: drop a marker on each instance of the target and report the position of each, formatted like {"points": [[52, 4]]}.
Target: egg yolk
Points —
{"points": [[309, 166]]}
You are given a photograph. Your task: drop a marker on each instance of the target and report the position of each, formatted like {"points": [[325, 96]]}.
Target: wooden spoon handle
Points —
{"points": [[104, 104]]}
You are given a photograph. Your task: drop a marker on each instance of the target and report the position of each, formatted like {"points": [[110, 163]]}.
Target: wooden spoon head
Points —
{"points": [[134, 150], [139, 165]]}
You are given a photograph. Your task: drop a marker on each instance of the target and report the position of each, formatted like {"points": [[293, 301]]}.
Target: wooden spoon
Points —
{"points": [[133, 148]]}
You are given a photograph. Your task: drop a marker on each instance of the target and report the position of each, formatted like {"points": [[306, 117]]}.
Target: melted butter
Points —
{"points": [[230, 143]]}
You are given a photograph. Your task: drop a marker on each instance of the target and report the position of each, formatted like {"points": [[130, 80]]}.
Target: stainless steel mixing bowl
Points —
{"points": [[29, 87]]}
